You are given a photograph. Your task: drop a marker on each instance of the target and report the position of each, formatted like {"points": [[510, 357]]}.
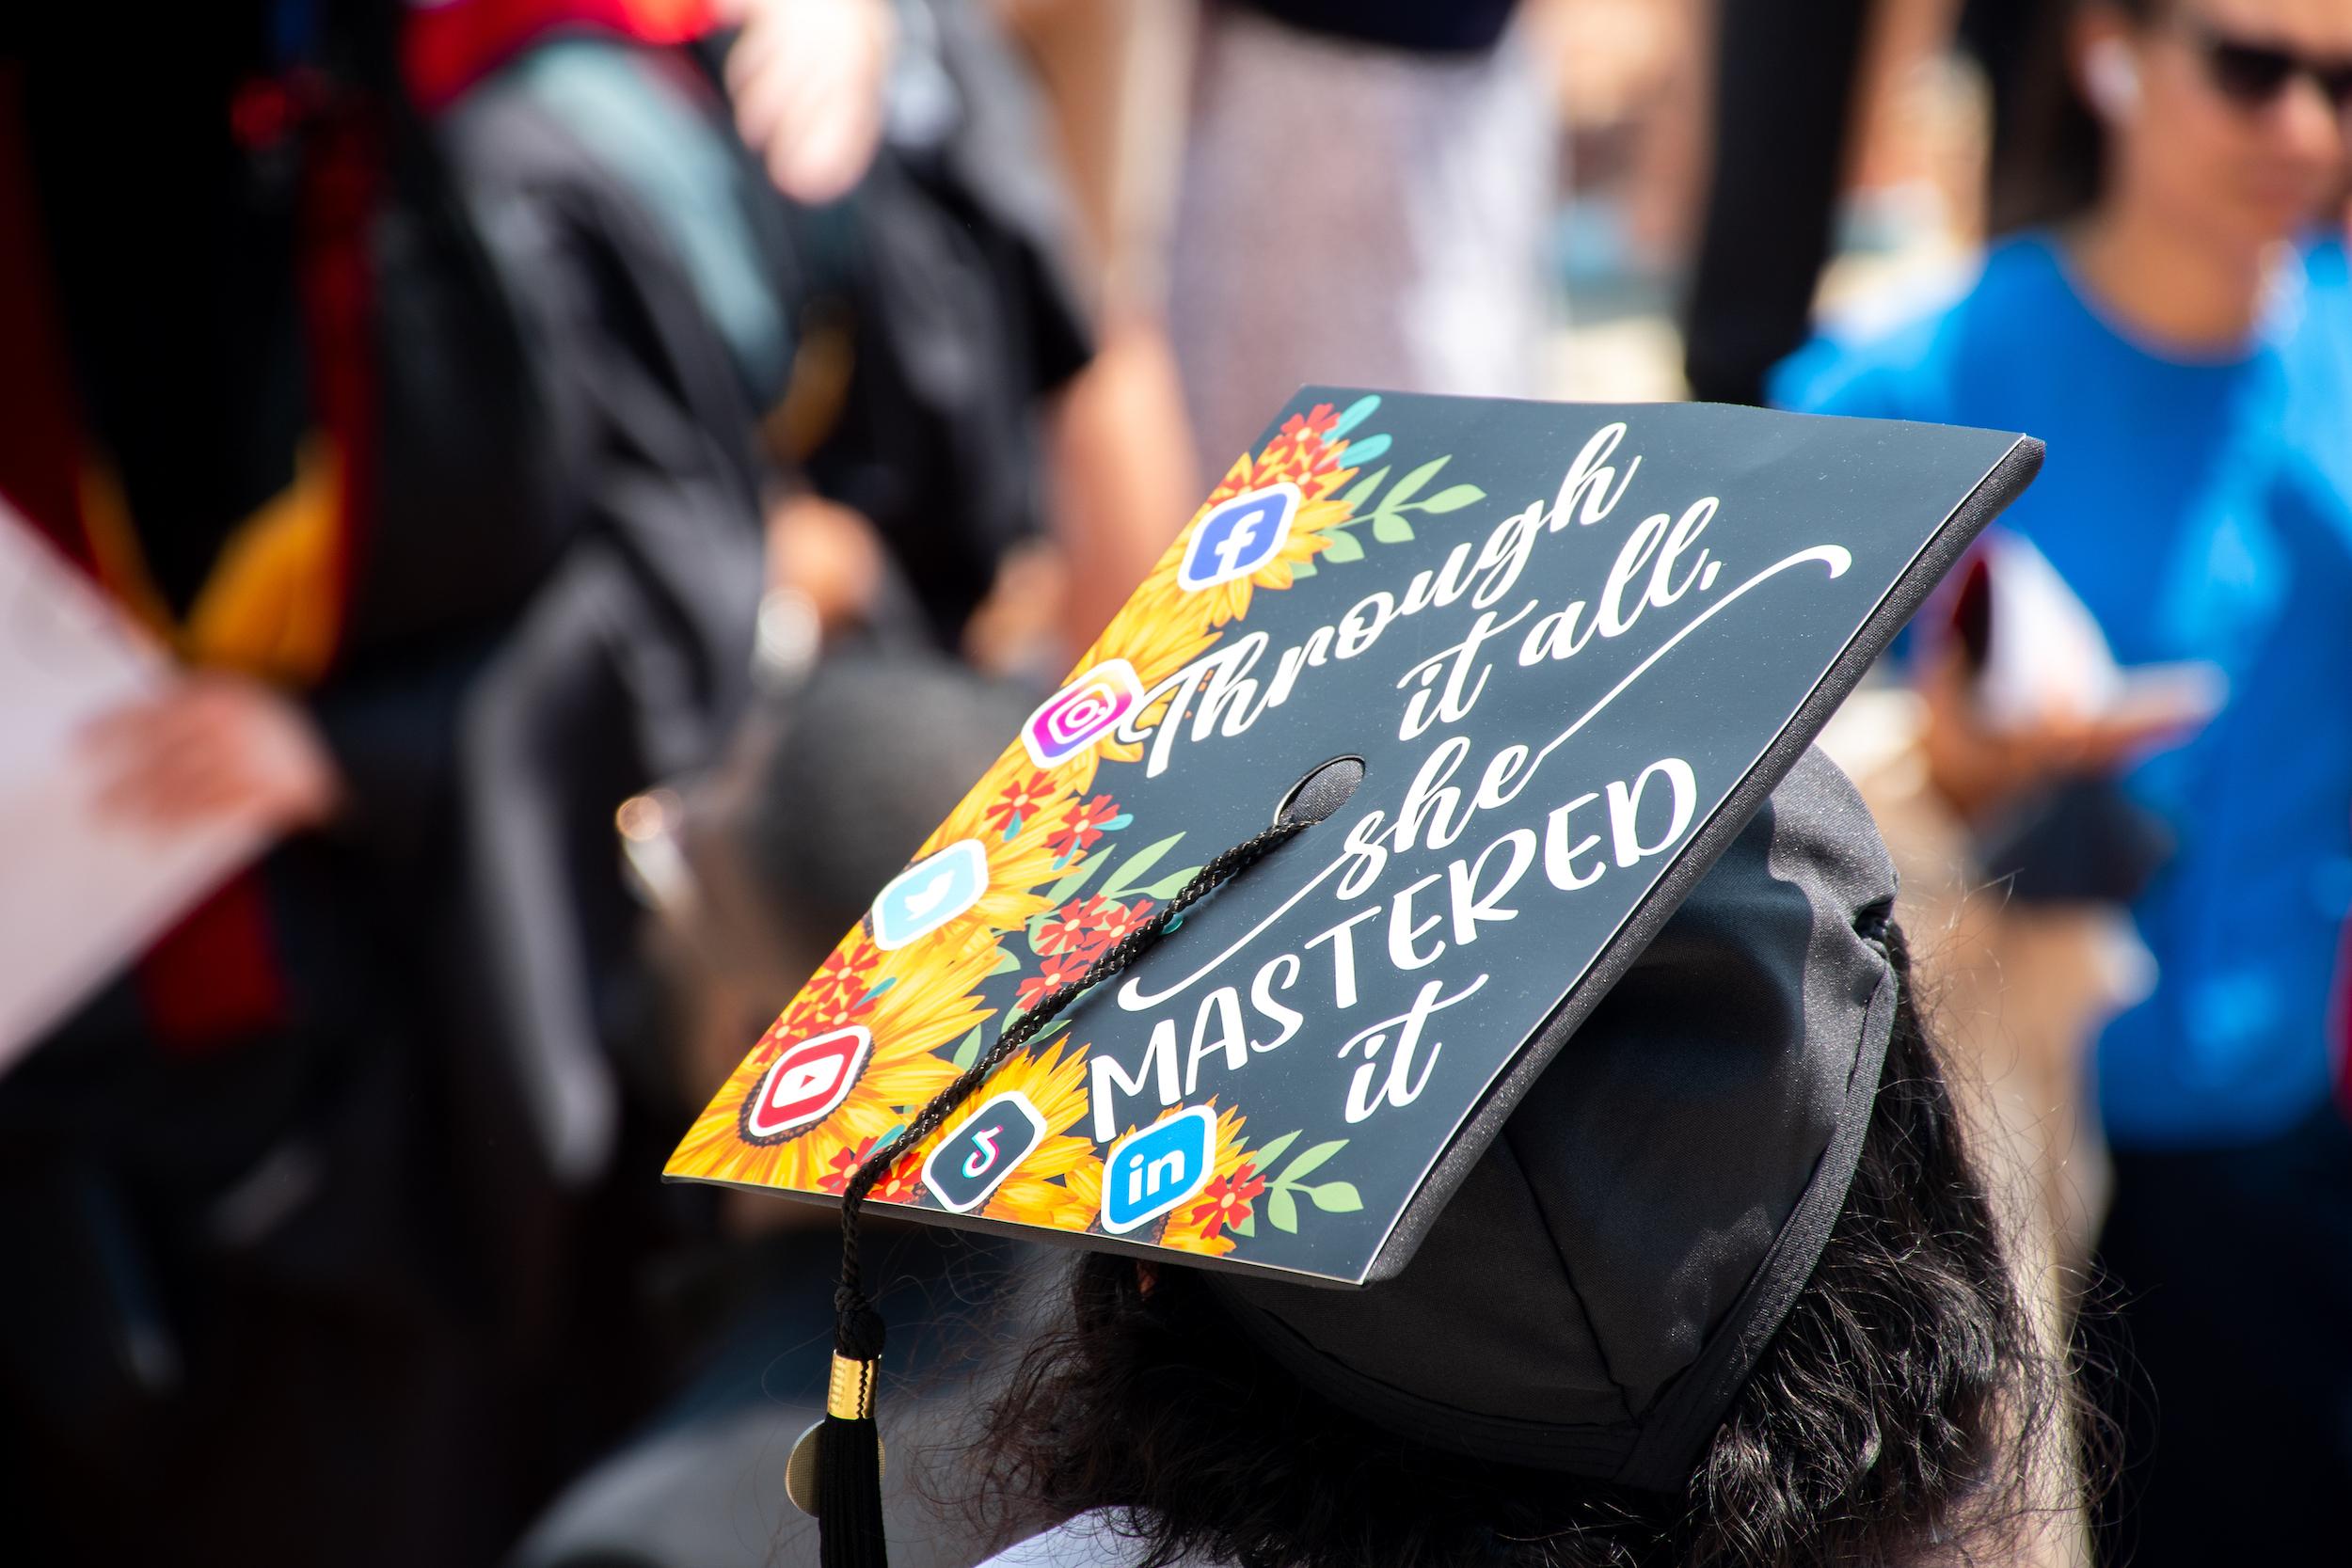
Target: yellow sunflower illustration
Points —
{"points": [[1203, 1224], [1017, 867], [1084, 1182], [1054, 1081], [1303, 454], [1157, 646], [1035, 826], [1158, 638], [913, 1004], [924, 1001]]}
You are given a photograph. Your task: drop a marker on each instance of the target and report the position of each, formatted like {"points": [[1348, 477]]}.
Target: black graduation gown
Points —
{"points": [[307, 1293]]}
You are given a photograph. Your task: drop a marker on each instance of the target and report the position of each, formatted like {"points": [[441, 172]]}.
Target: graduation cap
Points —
{"points": [[1420, 731]]}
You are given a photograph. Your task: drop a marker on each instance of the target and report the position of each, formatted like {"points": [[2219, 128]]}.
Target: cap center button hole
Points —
{"points": [[1323, 790]]}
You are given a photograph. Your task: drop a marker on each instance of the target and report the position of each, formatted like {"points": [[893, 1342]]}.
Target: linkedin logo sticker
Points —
{"points": [[966, 1168], [1153, 1170], [1238, 537], [806, 1084]]}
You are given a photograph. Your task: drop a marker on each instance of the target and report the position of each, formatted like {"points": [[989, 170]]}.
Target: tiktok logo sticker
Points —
{"points": [[1082, 713], [1151, 1171], [964, 1171], [808, 1083], [1238, 537], [929, 894]]}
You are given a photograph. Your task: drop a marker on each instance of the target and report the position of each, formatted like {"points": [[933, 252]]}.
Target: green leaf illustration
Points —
{"points": [[1263, 1158], [1066, 888], [1342, 546], [1336, 1198], [1282, 1209], [1248, 1226], [1302, 569], [1172, 884], [1361, 490], [969, 1051], [1409, 487], [1007, 959], [1390, 529], [1298, 1169], [1131, 870], [1453, 499]]}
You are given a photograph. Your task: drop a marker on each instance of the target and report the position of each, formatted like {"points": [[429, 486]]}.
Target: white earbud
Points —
{"points": [[2111, 78]]}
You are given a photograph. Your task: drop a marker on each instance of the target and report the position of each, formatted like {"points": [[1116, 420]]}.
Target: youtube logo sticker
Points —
{"points": [[805, 1083]]}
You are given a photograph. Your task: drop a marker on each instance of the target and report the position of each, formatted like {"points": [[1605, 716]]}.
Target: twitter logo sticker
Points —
{"points": [[929, 894]]}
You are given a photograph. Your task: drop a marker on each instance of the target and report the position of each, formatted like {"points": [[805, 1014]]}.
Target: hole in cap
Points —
{"points": [[1322, 791]]}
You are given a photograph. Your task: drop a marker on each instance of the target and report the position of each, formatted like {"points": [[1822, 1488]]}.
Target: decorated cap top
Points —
{"points": [[1573, 648]]}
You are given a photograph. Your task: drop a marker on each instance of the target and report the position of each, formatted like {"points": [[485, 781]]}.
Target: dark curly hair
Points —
{"points": [[1906, 1412]]}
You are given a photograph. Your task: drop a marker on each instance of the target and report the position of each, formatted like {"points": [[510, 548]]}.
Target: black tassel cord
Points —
{"points": [[849, 1452]]}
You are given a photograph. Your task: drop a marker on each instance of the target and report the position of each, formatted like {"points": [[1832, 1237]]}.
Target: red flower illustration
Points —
{"points": [[1302, 452], [1084, 926], [1017, 799], [1060, 970], [834, 996], [841, 981], [844, 1165], [903, 1184], [1113, 921], [1082, 824], [1227, 1201], [1066, 930], [1317, 422]]}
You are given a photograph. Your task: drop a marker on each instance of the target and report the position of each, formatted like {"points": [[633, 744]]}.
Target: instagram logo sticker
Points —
{"points": [[1082, 712]]}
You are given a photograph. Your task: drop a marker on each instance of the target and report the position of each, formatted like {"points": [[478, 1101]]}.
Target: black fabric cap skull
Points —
{"points": [[1598, 1288]]}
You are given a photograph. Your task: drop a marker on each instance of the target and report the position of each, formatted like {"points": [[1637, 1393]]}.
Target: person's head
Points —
{"points": [[1727, 1290], [2223, 119]]}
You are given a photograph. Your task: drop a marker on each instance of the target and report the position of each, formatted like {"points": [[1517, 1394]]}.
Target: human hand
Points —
{"points": [[215, 745], [827, 553], [1978, 767], [807, 79]]}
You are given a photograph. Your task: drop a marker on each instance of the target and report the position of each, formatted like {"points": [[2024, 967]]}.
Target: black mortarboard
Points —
{"points": [[1645, 1215], [1569, 650]]}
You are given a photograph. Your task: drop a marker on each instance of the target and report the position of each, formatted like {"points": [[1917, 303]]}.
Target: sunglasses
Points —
{"points": [[2254, 75]]}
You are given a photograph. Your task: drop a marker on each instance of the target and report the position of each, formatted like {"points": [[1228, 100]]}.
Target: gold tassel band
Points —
{"points": [[848, 1397], [849, 1392]]}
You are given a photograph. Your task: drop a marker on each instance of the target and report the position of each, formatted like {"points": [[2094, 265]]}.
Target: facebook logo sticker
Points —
{"points": [[965, 1169], [1238, 537], [1152, 1170], [929, 894]]}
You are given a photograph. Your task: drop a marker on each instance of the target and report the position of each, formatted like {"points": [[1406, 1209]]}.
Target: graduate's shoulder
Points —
{"points": [[1913, 351]]}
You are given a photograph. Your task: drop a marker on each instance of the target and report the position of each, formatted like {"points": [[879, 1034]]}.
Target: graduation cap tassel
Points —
{"points": [[846, 1453], [849, 1445]]}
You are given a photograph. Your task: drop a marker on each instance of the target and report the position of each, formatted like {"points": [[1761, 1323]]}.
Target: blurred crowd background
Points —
{"points": [[591, 479]]}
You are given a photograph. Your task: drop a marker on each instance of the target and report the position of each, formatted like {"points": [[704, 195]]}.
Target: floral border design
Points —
{"points": [[1070, 873]]}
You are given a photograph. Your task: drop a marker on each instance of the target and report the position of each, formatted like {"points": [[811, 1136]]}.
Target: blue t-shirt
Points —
{"points": [[2197, 508]]}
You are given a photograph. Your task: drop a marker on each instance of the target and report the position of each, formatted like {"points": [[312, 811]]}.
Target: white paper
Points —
{"points": [[80, 896], [2049, 658]]}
